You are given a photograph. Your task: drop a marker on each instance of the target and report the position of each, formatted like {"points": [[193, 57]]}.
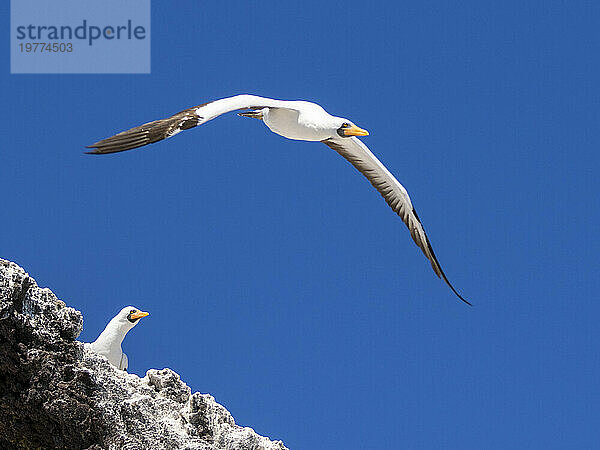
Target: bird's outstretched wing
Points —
{"points": [[158, 130], [357, 153]]}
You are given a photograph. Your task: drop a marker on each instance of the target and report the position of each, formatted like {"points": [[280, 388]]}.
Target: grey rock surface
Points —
{"points": [[56, 393]]}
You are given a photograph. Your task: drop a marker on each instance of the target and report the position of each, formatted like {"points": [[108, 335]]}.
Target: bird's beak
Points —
{"points": [[355, 131], [139, 314]]}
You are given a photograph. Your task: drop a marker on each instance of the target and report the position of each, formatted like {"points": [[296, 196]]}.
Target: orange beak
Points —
{"points": [[139, 314], [355, 131]]}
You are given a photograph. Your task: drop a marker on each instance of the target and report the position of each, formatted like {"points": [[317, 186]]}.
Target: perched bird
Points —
{"points": [[299, 120], [109, 342]]}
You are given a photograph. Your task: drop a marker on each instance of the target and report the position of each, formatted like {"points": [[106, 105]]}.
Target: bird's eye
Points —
{"points": [[345, 125], [132, 311]]}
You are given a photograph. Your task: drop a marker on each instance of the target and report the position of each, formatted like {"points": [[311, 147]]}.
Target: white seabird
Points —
{"points": [[109, 342], [299, 120]]}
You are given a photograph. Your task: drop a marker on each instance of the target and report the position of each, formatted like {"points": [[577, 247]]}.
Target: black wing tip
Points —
{"points": [[94, 150], [97, 150], [105, 151], [450, 284], [445, 278], [461, 297], [112, 145], [436, 263]]}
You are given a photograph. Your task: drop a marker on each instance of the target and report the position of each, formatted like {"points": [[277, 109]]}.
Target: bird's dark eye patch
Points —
{"points": [[133, 311], [340, 130]]}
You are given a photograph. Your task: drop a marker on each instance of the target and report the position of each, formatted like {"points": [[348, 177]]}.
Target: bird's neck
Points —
{"points": [[113, 334]]}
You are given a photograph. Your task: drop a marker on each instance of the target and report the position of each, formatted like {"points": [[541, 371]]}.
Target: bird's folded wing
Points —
{"points": [[396, 196], [158, 130]]}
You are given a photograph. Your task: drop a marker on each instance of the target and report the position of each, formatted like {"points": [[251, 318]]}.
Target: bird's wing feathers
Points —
{"points": [[147, 133], [158, 130], [352, 149], [357, 153]]}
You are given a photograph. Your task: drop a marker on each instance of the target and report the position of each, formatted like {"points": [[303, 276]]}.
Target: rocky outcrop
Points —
{"points": [[55, 393]]}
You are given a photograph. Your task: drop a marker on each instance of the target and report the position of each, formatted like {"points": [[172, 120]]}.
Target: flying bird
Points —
{"points": [[109, 342], [299, 120]]}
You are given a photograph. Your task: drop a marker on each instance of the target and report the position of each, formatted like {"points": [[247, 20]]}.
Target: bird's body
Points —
{"points": [[305, 122], [109, 342], [298, 120]]}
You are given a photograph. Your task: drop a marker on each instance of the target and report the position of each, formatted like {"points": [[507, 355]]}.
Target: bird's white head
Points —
{"points": [[115, 331], [345, 128], [129, 316]]}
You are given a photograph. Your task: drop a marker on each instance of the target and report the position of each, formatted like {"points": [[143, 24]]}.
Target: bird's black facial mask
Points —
{"points": [[341, 130], [131, 319], [348, 130]]}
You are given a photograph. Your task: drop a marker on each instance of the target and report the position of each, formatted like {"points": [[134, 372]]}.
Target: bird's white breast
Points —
{"points": [[111, 350]]}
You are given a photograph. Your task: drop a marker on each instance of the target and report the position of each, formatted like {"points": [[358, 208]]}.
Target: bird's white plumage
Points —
{"points": [[109, 342], [299, 120], [210, 110]]}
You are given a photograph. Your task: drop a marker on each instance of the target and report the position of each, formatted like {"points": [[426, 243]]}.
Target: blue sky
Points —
{"points": [[277, 279]]}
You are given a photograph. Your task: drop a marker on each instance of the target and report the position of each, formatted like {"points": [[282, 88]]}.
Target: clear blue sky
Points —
{"points": [[277, 279]]}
